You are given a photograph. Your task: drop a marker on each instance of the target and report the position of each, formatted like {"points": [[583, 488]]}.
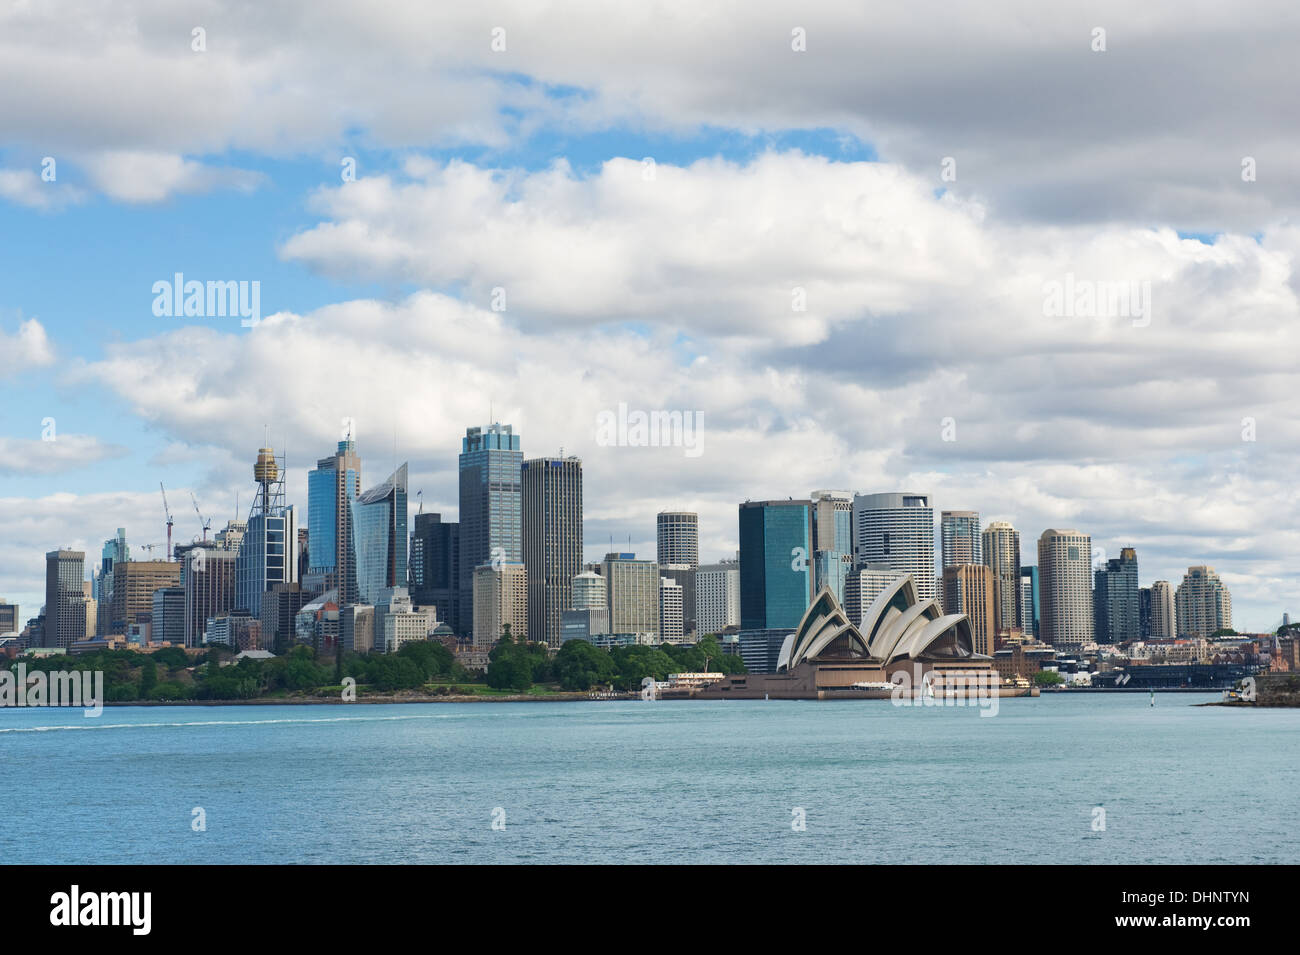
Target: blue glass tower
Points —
{"points": [[776, 567], [380, 536], [331, 489], [491, 501]]}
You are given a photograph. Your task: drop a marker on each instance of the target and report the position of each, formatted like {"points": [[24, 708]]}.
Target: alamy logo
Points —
{"points": [[79, 688], [193, 299], [651, 429], [1083, 298], [74, 907]]}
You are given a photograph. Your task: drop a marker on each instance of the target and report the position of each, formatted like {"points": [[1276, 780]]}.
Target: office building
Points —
{"points": [[1116, 617], [1029, 601], [115, 550], [208, 575], [678, 534], [1001, 546], [585, 624], [863, 585], [501, 600], [959, 538], [491, 507], [357, 628], [632, 593], [671, 620], [435, 567], [968, 589], [332, 487], [776, 572], [1065, 589], [897, 529], [167, 618], [717, 597], [9, 618], [589, 591], [134, 583], [280, 608], [379, 534], [1202, 604], [1164, 620], [65, 598], [398, 622], [832, 533], [552, 541]]}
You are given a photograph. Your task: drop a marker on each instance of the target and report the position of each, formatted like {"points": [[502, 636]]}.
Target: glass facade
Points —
{"points": [[776, 568], [380, 538], [491, 501]]}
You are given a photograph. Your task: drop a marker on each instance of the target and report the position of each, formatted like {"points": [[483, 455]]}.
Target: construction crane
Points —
{"points": [[168, 512], [148, 548], [207, 523]]}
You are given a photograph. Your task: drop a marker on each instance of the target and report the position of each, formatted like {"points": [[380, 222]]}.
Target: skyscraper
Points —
{"points": [[897, 529], [1164, 621], [491, 507], [678, 534], [552, 541], [1202, 603], [862, 586], [717, 597], [268, 552], [1115, 599], [1029, 601], [115, 549], [167, 618], [1001, 545], [776, 572], [1065, 589], [832, 525], [670, 611], [632, 593], [501, 599], [134, 584], [379, 535], [331, 488], [959, 537], [968, 589], [65, 598], [435, 567]]}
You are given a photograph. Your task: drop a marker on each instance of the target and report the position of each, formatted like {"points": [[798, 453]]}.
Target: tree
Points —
{"points": [[148, 677], [1048, 678], [580, 665]]}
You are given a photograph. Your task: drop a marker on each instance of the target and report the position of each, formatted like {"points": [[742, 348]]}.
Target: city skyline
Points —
{"points": [[1096, 593]]}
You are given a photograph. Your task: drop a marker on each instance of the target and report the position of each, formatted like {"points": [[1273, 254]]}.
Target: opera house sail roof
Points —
{"points": [[896, 627]]}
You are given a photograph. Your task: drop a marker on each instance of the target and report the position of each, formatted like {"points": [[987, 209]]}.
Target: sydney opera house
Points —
{"points": [[828, 657]]}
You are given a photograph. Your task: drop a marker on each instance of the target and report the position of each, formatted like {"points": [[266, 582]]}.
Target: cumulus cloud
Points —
{"points": [[27, 347], [1041, 124], [62, 452], [132, 176]]}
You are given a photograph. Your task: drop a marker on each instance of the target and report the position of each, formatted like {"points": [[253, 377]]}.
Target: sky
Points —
{"points": [[832, 233]]}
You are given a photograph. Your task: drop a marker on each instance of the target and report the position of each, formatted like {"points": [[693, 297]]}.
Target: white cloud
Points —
{"points": [[131, 176], [28, 347], [62, 452], [1153, 129]]}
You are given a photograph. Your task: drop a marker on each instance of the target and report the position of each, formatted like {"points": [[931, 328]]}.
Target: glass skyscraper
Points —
{"points": [[379, 533], [491, 497], [776, 564], [331, 489]]}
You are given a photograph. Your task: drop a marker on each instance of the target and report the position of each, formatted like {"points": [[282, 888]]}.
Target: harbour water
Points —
{"points": [[655, 782]]}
